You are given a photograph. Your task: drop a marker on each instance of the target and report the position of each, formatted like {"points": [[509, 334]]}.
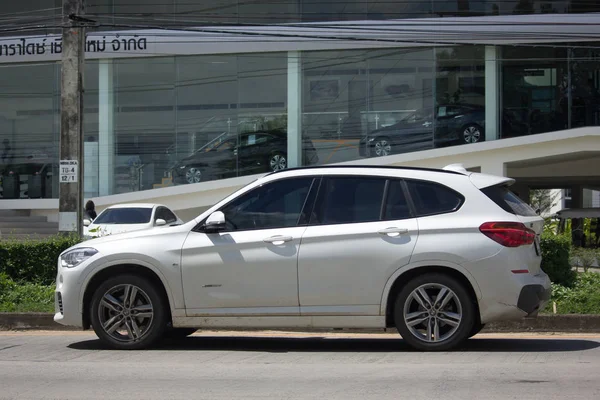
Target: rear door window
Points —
{"points": [[346, 200]]}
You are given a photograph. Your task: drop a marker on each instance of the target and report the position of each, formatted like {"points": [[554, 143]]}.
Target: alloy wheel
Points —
{"points": [[383, 148], [433, 313], [193, 175], [278, 162], [472, 134], [126, 313]]}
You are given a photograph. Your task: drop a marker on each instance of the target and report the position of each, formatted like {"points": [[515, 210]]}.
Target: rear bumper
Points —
{"points": [[533, 298]]}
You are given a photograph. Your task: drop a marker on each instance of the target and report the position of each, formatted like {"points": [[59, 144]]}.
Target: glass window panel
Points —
{"points": [[274, 205], [535, 90], [29, 126], [460, 95], [349, 200], [144, 122], [333, 10]]}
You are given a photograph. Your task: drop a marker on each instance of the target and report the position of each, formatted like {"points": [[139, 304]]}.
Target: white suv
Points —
{"points": [[435, 253]]}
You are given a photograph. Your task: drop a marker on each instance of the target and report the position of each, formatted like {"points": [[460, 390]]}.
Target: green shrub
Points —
{"points": [[582, 298], [33, 260], [556, 258], [25, 297]]}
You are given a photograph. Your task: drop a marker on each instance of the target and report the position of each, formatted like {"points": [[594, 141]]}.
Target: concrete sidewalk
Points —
{"points": [[543, 323]]}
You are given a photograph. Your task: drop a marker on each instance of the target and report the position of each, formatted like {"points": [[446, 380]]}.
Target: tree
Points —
{"points": [[543, 200]]}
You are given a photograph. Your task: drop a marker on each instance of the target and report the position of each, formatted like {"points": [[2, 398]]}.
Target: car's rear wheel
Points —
{"points": [[277, 162], [193, 175], [128, 312], [382, 147], [434, 312], [472, 133]]}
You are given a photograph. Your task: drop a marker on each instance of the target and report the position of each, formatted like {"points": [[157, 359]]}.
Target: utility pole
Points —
{"points": [[70, 218]]}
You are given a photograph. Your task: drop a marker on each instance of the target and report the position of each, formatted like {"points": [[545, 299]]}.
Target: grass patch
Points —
{"points": [[581, 298], [25, 296]]}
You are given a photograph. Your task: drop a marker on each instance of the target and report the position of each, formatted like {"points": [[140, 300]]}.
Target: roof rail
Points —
{"points": [[448, 171]]}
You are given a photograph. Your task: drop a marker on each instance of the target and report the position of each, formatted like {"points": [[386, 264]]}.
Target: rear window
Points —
{"points": [[509, 201], [118, 216]]}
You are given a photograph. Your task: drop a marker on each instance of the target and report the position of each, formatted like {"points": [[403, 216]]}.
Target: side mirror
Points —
{"points": [[87, 222], [215, 222], [160, 222]]}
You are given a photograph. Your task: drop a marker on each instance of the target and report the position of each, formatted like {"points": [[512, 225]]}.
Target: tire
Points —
{"points": [[277, 162], [472, 133], [179, 333], [130, 332], [193, 175], [458, 310], [382, 147], [477, 327]]}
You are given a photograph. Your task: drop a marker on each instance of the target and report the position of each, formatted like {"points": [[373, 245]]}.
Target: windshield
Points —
{"points": [[123, 216]]}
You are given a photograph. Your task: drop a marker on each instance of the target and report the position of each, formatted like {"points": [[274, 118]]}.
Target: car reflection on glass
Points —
{"points": [[231, 155], [451, 124]]}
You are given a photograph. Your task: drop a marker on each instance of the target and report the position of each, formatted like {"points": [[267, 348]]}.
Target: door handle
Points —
{"points": [[277, 240], [393, 231]]}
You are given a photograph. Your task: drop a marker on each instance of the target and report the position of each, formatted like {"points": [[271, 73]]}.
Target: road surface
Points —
{"points": [[275, 365]]}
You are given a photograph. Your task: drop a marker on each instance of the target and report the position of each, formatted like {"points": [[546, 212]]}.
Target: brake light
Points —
{"points": [[508, 234]]}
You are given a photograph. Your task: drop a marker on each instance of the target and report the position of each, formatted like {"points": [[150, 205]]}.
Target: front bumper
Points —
{"points": [[67, 297]]}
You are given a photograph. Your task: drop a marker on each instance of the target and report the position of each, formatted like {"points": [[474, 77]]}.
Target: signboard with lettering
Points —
{"points": [[69, 170]]}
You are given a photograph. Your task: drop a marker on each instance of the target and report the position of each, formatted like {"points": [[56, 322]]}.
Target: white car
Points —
{"points": [[123, 218], [435, 253]]}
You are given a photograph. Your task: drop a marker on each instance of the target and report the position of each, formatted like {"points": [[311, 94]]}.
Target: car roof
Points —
{"points": [[136, 205], [453, 170]]}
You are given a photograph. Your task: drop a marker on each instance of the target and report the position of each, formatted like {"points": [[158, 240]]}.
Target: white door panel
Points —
{"points": [[255, 271], [349, 264]]}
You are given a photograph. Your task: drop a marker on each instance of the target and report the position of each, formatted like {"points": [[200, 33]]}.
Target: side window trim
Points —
{"points": [[310, 202], [386, 188], [409, 202]]}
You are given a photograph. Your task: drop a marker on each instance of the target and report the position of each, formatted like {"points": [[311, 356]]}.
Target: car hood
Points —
{"points": [[136, 234], [99, 230]]}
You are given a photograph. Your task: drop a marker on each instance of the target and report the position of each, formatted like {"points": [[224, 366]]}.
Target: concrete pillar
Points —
{"points": [[106, 128], [493, 91], [294, 109]]}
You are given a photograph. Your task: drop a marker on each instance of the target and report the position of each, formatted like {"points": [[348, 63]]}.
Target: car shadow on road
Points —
{"points": [[326, 345]]}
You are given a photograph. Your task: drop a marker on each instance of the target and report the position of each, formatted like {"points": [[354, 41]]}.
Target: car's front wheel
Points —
{"points": [[434, 312], [128, 312]]}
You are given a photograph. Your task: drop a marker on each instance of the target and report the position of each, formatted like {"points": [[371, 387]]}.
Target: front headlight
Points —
{"points": [[76, 256], [371, 139], [182, 167]]}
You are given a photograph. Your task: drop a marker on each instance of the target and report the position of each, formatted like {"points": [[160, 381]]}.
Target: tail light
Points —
{"points": [[508, 234]]}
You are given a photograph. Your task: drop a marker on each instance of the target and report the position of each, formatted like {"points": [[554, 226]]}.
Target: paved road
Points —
{"points": [[73, 365]]}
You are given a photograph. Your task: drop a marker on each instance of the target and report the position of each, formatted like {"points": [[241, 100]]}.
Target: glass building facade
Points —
{"points": [[152, 122]]}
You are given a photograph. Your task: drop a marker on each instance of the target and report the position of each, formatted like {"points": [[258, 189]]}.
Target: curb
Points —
{"points": [[543, 323]]}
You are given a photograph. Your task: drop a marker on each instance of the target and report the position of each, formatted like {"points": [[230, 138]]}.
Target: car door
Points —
{"points": [[361, 231], [250, 267]]}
